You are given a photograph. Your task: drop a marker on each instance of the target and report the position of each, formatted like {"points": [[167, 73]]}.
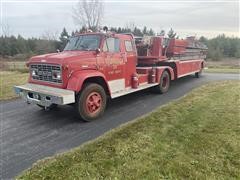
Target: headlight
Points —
{"points": [[56, 75], [34, 72]]}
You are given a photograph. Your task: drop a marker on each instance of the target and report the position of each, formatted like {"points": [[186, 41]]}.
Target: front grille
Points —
{"points": [[44, 72]]}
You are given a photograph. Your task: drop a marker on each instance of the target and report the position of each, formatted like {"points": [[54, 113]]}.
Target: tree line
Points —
{"points": [[14, 45], [218, 47], [222, 46], [11, 46]]}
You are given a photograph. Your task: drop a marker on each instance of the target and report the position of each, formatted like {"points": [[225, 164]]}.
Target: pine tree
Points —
{"points": [[162, 33], [171, 34], [63, 38], [151, 32], [144, 30], [82, 30], [119, 30]]}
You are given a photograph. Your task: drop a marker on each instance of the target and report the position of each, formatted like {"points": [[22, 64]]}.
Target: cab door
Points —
{"points": [[114, 61]]}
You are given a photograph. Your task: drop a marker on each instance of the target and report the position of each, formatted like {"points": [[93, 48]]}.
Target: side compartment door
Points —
{"points": [[114, 60], [130, 57]]}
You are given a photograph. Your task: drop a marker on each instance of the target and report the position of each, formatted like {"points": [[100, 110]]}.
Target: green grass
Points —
{"points": [[19, 66], [224, 66], [7, 80], [222, 70], [195, 137]]}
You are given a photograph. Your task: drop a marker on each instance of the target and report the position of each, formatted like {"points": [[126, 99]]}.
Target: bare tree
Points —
{"points": [[5, 30], [89, 13], [130, 25], [50, 35]]}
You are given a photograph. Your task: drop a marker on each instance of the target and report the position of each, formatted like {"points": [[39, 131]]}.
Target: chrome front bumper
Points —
{"points": [[44, 95]]}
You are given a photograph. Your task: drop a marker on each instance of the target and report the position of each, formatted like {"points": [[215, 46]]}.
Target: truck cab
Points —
{"points": [[97, 66]]}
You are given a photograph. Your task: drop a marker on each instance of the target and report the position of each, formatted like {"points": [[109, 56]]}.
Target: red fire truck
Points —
{"points": [[97, 66]]}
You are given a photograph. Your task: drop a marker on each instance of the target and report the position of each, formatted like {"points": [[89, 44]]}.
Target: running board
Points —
{"points": [[187, 74], [131, 90]]}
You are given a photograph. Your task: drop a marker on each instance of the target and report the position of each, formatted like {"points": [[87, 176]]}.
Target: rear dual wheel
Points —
{"points": [[198, 74], [164, 83], [91, 102]]}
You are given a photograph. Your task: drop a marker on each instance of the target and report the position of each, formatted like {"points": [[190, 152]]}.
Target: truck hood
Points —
{"points": [[64, 57]]}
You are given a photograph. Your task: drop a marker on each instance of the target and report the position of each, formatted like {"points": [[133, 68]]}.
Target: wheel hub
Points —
{"points": [[93, 102]]}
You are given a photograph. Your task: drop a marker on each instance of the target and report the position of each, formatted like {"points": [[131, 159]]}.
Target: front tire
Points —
{"points": [[91, 102], [164, 83]]}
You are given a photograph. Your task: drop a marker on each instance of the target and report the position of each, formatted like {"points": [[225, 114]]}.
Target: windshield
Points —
{"points": [[83, 42]]}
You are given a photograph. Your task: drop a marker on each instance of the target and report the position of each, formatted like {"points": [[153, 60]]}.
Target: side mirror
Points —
{"points": [[97, 50]]}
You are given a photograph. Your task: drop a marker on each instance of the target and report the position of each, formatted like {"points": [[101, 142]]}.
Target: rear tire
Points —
{"points": [[164, 83], [91, 102], [198, 74]]}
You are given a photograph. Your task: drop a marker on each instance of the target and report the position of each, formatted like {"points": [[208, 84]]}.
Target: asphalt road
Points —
{"points": [[28, 134]]}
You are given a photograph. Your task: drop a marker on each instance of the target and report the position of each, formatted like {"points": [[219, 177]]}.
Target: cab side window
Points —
{"points": [[111, 45], [128, 46]]}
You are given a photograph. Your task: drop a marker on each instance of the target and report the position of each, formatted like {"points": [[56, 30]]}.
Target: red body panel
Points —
{"points": [[160, 71], [143, 78], [177, 46], [143, 70], [189, 66], [76, 80]]}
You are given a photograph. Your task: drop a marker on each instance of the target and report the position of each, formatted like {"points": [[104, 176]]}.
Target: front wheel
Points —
{"points": [[164, 83], [91, 102]]}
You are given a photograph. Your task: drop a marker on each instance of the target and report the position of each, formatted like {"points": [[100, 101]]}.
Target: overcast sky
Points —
{"points": [[188, 17]]}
